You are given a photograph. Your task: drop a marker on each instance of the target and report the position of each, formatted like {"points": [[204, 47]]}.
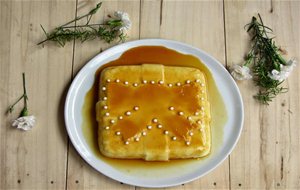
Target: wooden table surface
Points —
{"points": [[268, 152]]}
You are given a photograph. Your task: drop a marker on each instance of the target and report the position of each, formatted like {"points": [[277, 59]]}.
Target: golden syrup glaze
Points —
{"points": [[152, 55], [153, 101]]}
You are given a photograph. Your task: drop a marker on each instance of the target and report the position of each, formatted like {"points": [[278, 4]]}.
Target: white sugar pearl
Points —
{"points": [[144, 133], [137, 139], [144, 81], [120, 117], [105, 107], [166, 132], [108, 80], [161, 82], [202, 91], [202, 108], [188, 143], [126, 82], [128, 113], [135, 84], [152, 82], [112, 121], [202, 98], [197, 80], [126, 142], [117, 80], [170, 85], [118, 133], [188, 82], [149, 127], [180, 113], [196, 113], [191, 133], [136, 108], [189, 118], [199, 122], [174, 138], [107, 127], [104, 98], [159, 126], [171, 108], [202, 84], [178, 84], [154, 120], [106, 114]]}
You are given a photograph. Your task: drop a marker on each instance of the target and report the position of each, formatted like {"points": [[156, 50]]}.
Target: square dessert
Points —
{"points": [[153, 112]]}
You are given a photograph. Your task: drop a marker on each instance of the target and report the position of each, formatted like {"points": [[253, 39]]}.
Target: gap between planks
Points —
{"points": [[72, 77], [226, 66], [139, 37]]}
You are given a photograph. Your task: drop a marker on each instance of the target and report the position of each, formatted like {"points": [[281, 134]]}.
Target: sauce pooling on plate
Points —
{"points": [[153, 55]]}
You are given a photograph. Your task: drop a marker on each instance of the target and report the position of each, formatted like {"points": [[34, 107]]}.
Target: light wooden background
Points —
{"points": [[268, 152]]}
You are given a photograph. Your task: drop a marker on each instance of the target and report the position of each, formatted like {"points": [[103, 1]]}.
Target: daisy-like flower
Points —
{"points": [[239, 72], [25, 122], [124, 17], [285, 71]]}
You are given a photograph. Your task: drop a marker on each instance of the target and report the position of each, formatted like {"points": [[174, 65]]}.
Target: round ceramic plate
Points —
{"points": [[155, 176]]}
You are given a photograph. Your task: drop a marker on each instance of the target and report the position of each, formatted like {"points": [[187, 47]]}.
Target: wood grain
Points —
{"points": [[80, 174], [187, 22], [266, 156], [35, 159], [268, 153]]}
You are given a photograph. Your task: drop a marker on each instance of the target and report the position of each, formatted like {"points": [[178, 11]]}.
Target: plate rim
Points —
{"points": [[143, 42]]}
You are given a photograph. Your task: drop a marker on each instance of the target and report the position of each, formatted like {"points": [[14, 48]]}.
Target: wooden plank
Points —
{"points": [[199, 23], [267, 154], [34, 159], [80, 174]]}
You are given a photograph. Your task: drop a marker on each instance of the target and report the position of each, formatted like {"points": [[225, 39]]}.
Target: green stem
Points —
{"points": [[43, 41], [76, 19], [24, 89], [82, 26], [24, 111], [263, 26], [13, 105], [93, 11]]}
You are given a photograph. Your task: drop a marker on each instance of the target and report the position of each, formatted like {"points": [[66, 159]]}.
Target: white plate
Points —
{"points": [[156, 177]]}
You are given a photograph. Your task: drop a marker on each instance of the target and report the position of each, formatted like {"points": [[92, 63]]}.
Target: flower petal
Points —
{"points": [[240, 72], [25, 123]]}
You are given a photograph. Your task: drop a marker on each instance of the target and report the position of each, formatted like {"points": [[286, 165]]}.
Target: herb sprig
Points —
{"points": [[107, 31], [264, 57]]}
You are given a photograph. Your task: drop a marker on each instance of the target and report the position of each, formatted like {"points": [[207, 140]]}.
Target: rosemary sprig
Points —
{"points": [[108, 31], [264, 57]]}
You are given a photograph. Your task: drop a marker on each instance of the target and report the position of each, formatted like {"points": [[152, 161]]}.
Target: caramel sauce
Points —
{"points": [[153, 55], [153, 101]]}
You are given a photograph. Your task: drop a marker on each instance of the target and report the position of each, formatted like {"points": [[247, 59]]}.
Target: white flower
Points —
{"points": [[284, 72], [124, 17], [25, 123], [240, 72]]}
